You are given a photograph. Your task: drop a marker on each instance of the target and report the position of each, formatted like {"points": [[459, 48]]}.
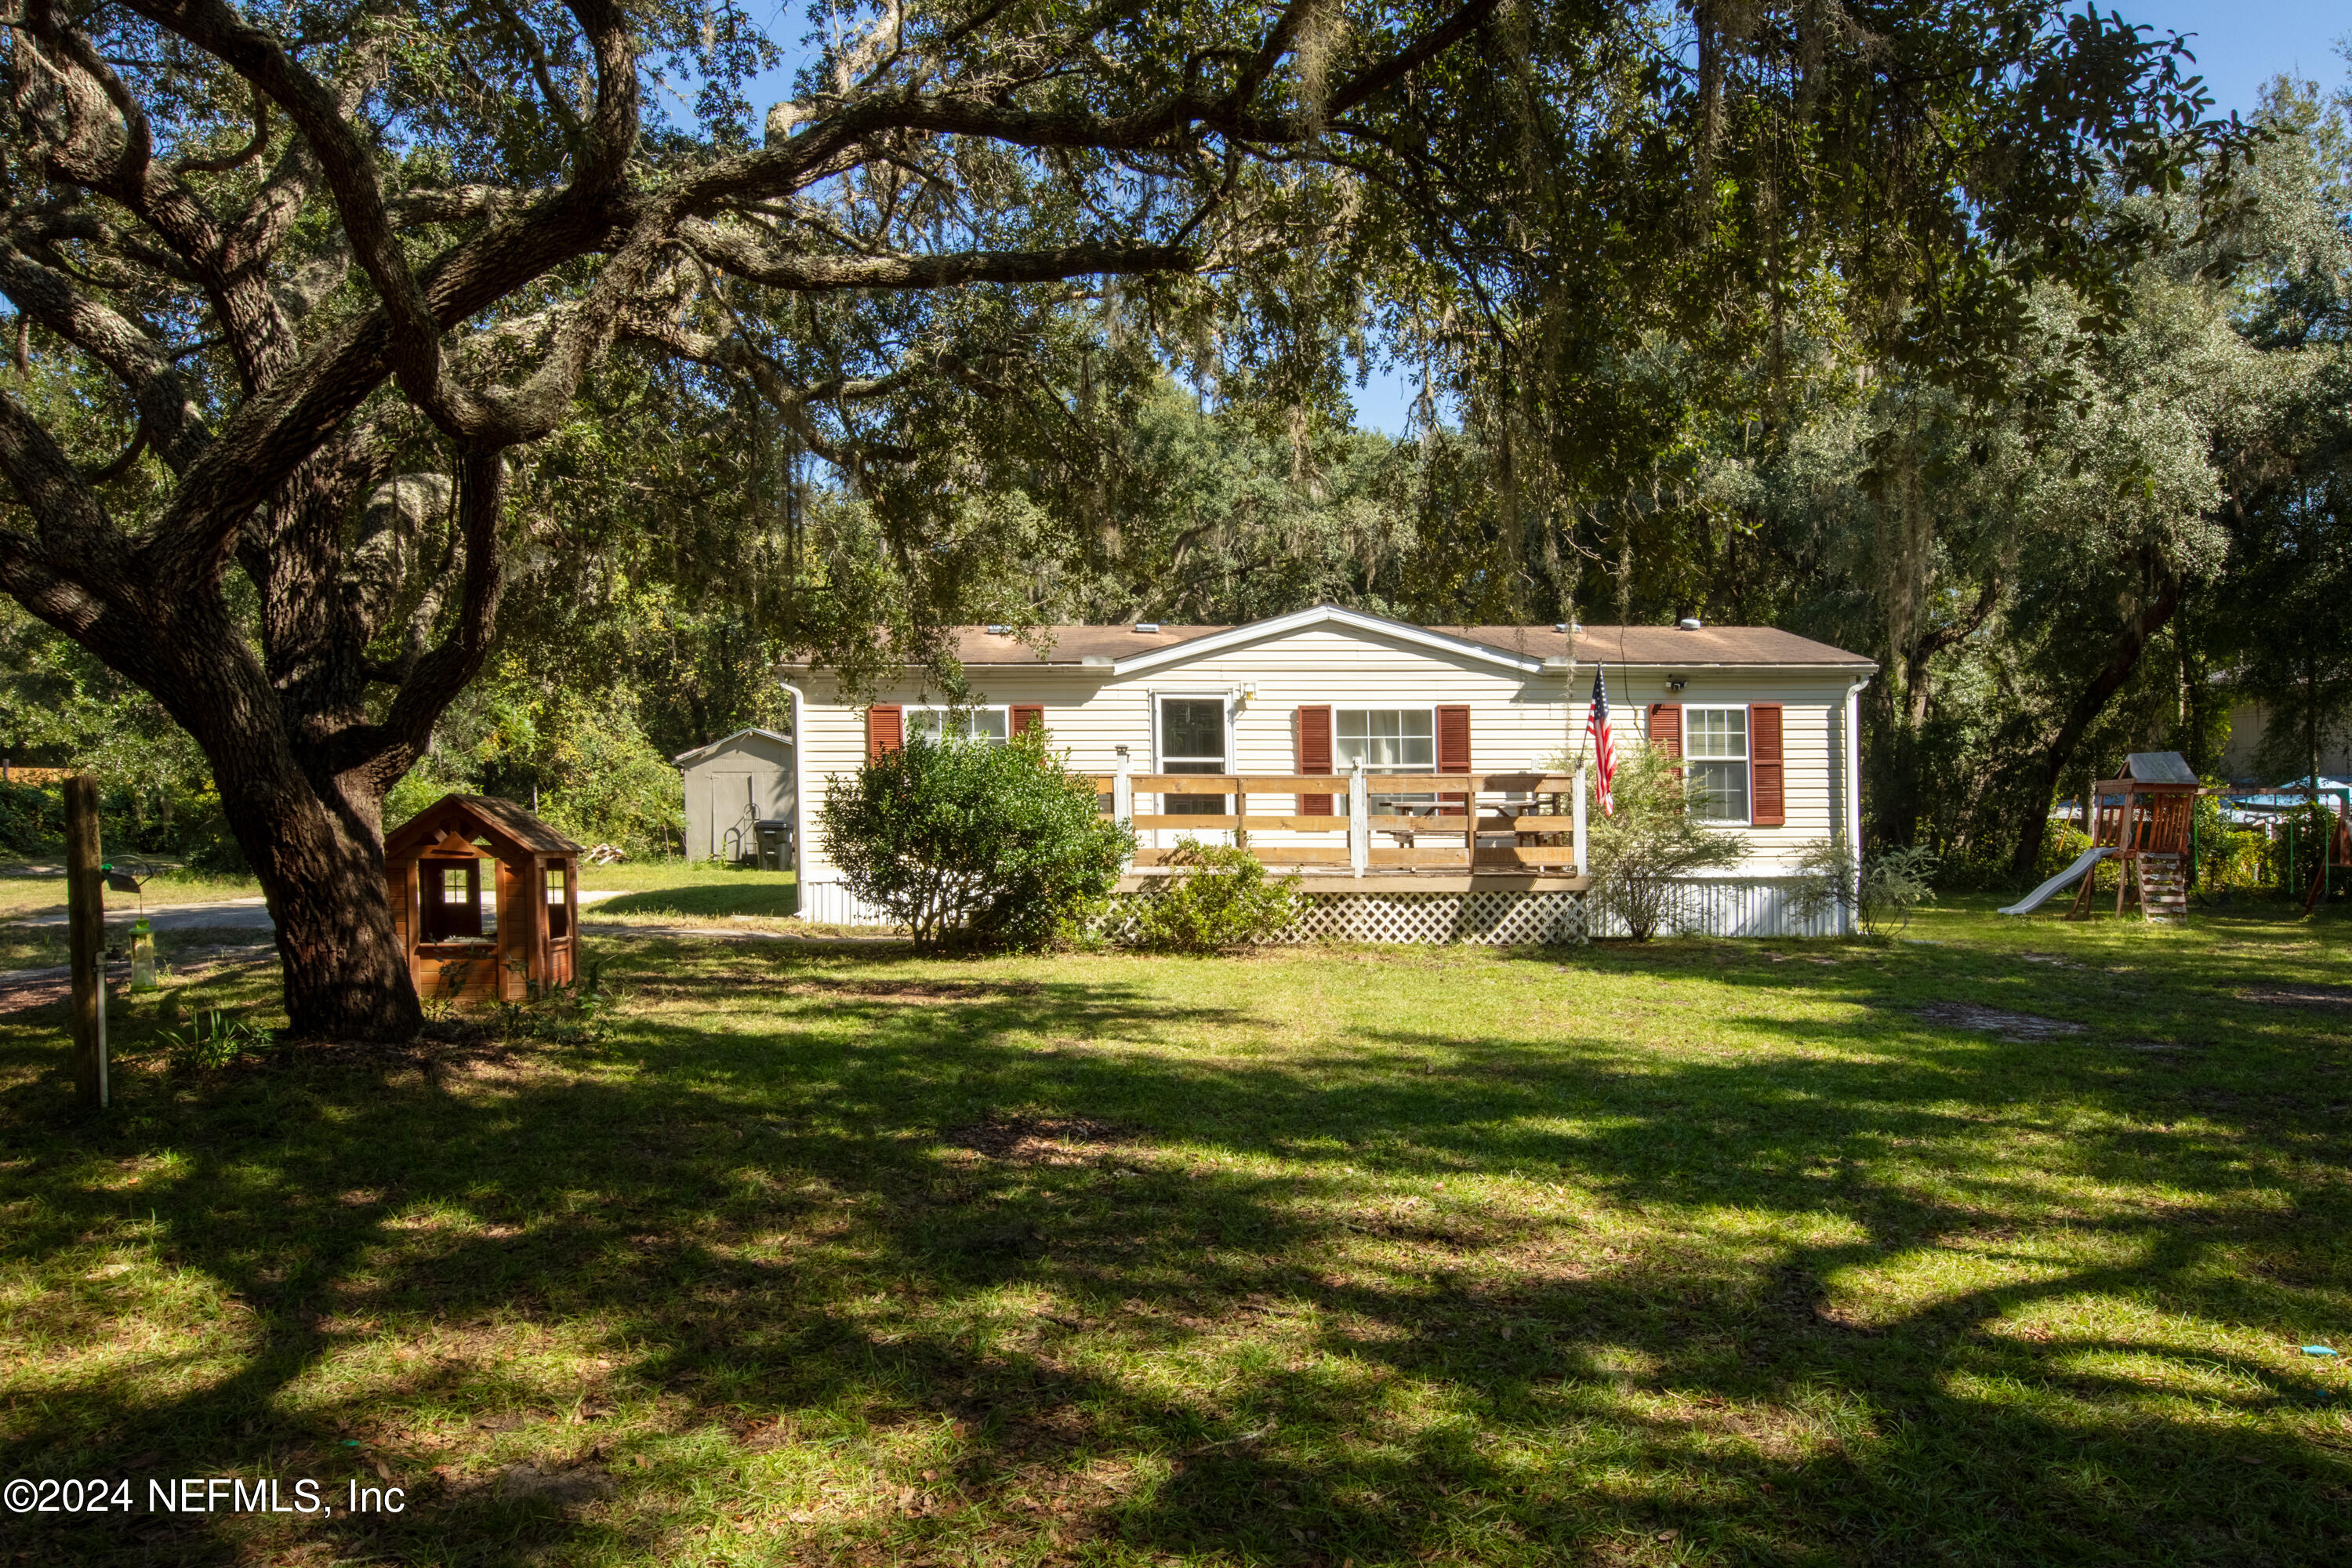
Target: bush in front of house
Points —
{"points": [[1220, 898], [1643, 853], [975, 847]]}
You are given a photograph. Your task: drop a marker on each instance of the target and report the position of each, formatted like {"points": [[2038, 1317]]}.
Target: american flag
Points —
{"points": [[1604, 753]]}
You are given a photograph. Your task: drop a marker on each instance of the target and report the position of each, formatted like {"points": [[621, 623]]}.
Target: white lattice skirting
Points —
{"points": [[1495, 920], [1743, 906]]}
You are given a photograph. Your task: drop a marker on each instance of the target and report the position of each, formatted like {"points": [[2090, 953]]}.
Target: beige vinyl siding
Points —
{"points": [[1519, 720]]}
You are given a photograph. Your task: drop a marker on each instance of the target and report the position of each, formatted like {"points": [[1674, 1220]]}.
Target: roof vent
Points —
{"points": [[1147, 625], [1688, 623], [998, 630]]}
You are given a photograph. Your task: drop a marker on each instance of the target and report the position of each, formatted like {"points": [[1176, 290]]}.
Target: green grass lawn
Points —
{"points": [[1702, 1252], [688, 892], [655, 892]]}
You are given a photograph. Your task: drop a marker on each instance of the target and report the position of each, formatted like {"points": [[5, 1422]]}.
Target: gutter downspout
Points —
{"points": [[799, 798], [1848, 916]]}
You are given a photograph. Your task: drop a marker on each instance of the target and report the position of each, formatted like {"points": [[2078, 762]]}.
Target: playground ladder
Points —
{"points": [[2163, 883]]}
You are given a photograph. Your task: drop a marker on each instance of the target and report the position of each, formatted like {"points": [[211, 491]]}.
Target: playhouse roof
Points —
{"points": [[512, 832], [2159, 768]]}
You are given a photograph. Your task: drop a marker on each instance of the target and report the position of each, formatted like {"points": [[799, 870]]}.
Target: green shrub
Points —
{"points": [[1644, 851], [1881, 898], [1222, 899], [975, 846], [1892, 884]]}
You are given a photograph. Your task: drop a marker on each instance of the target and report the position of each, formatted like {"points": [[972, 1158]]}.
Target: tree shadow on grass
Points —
{"points": [[1246, 1322]]}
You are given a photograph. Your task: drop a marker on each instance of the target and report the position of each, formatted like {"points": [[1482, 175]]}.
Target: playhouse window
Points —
{"points": [[1715, 750], [558, 914], [988, 726], [1388, 741]]}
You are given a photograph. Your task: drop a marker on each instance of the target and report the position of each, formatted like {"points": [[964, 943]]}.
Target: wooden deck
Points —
{"points": [[1487, 831]]}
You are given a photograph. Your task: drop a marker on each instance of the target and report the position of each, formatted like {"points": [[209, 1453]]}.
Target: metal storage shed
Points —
{"points": [[734, 787]]}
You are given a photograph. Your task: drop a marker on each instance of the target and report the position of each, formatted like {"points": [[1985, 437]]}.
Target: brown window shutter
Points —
{"points": [[1314, 755], [1768, 786], [1028, 716], [1453, 752], [1667, 730], [885, 730]]}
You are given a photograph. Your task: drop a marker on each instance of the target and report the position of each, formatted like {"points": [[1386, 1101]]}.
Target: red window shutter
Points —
{"points": [[1767, 782], [1453, 752], [1027, 716], [1315, 756], [1667, 730], [885, 730]]}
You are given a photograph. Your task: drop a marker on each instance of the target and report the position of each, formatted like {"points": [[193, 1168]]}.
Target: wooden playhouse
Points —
{"points": [[436, 865]]}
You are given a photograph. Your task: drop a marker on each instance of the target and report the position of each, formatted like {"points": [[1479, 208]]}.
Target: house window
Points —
{"points": [[1715, 748], [1192, 740], [1387, 741], [988, 726]]}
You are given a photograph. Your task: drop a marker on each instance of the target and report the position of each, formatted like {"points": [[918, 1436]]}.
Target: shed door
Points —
{"points": [[734, 803]]}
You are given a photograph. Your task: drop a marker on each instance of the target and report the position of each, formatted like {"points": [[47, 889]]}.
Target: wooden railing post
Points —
{"points": [[1359, 820], [1122, 791], [86, 941], [1583, 867]]}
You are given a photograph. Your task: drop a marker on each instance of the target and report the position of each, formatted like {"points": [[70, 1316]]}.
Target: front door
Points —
{"points": [[1192, 740]]}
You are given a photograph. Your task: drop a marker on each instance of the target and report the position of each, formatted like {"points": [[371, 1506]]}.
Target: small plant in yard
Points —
{"points": [[213, 1040], [1882, 896], [975, 845], [1643, 853], [1220, 899], [570, 1014]]}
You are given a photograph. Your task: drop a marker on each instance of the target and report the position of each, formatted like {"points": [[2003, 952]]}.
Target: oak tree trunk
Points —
{"points": [[318, 854]]}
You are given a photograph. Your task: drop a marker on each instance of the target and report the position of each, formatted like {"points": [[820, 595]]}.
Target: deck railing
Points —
{"points": [[1535, 827]]}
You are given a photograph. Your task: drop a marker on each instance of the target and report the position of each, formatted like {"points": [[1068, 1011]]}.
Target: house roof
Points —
{"points": [[1126, 650], [507, 825], [687, 759]]}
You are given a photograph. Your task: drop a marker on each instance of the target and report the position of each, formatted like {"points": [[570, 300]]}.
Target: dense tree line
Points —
{"points": [[437, 387]]}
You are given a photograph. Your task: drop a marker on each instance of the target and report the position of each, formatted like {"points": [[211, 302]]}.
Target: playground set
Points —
{"points": [[2142, 820]]}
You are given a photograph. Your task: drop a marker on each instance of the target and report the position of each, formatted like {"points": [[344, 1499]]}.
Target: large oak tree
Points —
{"points": [[325, 269]]}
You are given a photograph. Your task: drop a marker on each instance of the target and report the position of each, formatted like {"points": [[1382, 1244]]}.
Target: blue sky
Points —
{"points": [[2239, 45]]}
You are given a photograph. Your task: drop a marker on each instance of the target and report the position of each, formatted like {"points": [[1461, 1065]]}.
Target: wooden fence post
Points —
{"points": [[86, 941]]}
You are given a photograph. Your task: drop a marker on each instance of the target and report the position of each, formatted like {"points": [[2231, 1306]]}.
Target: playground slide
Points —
{"points": [[2066, 878]]}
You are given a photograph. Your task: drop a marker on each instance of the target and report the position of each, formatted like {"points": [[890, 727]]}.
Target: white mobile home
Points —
{"points": [[1264, 712]]}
